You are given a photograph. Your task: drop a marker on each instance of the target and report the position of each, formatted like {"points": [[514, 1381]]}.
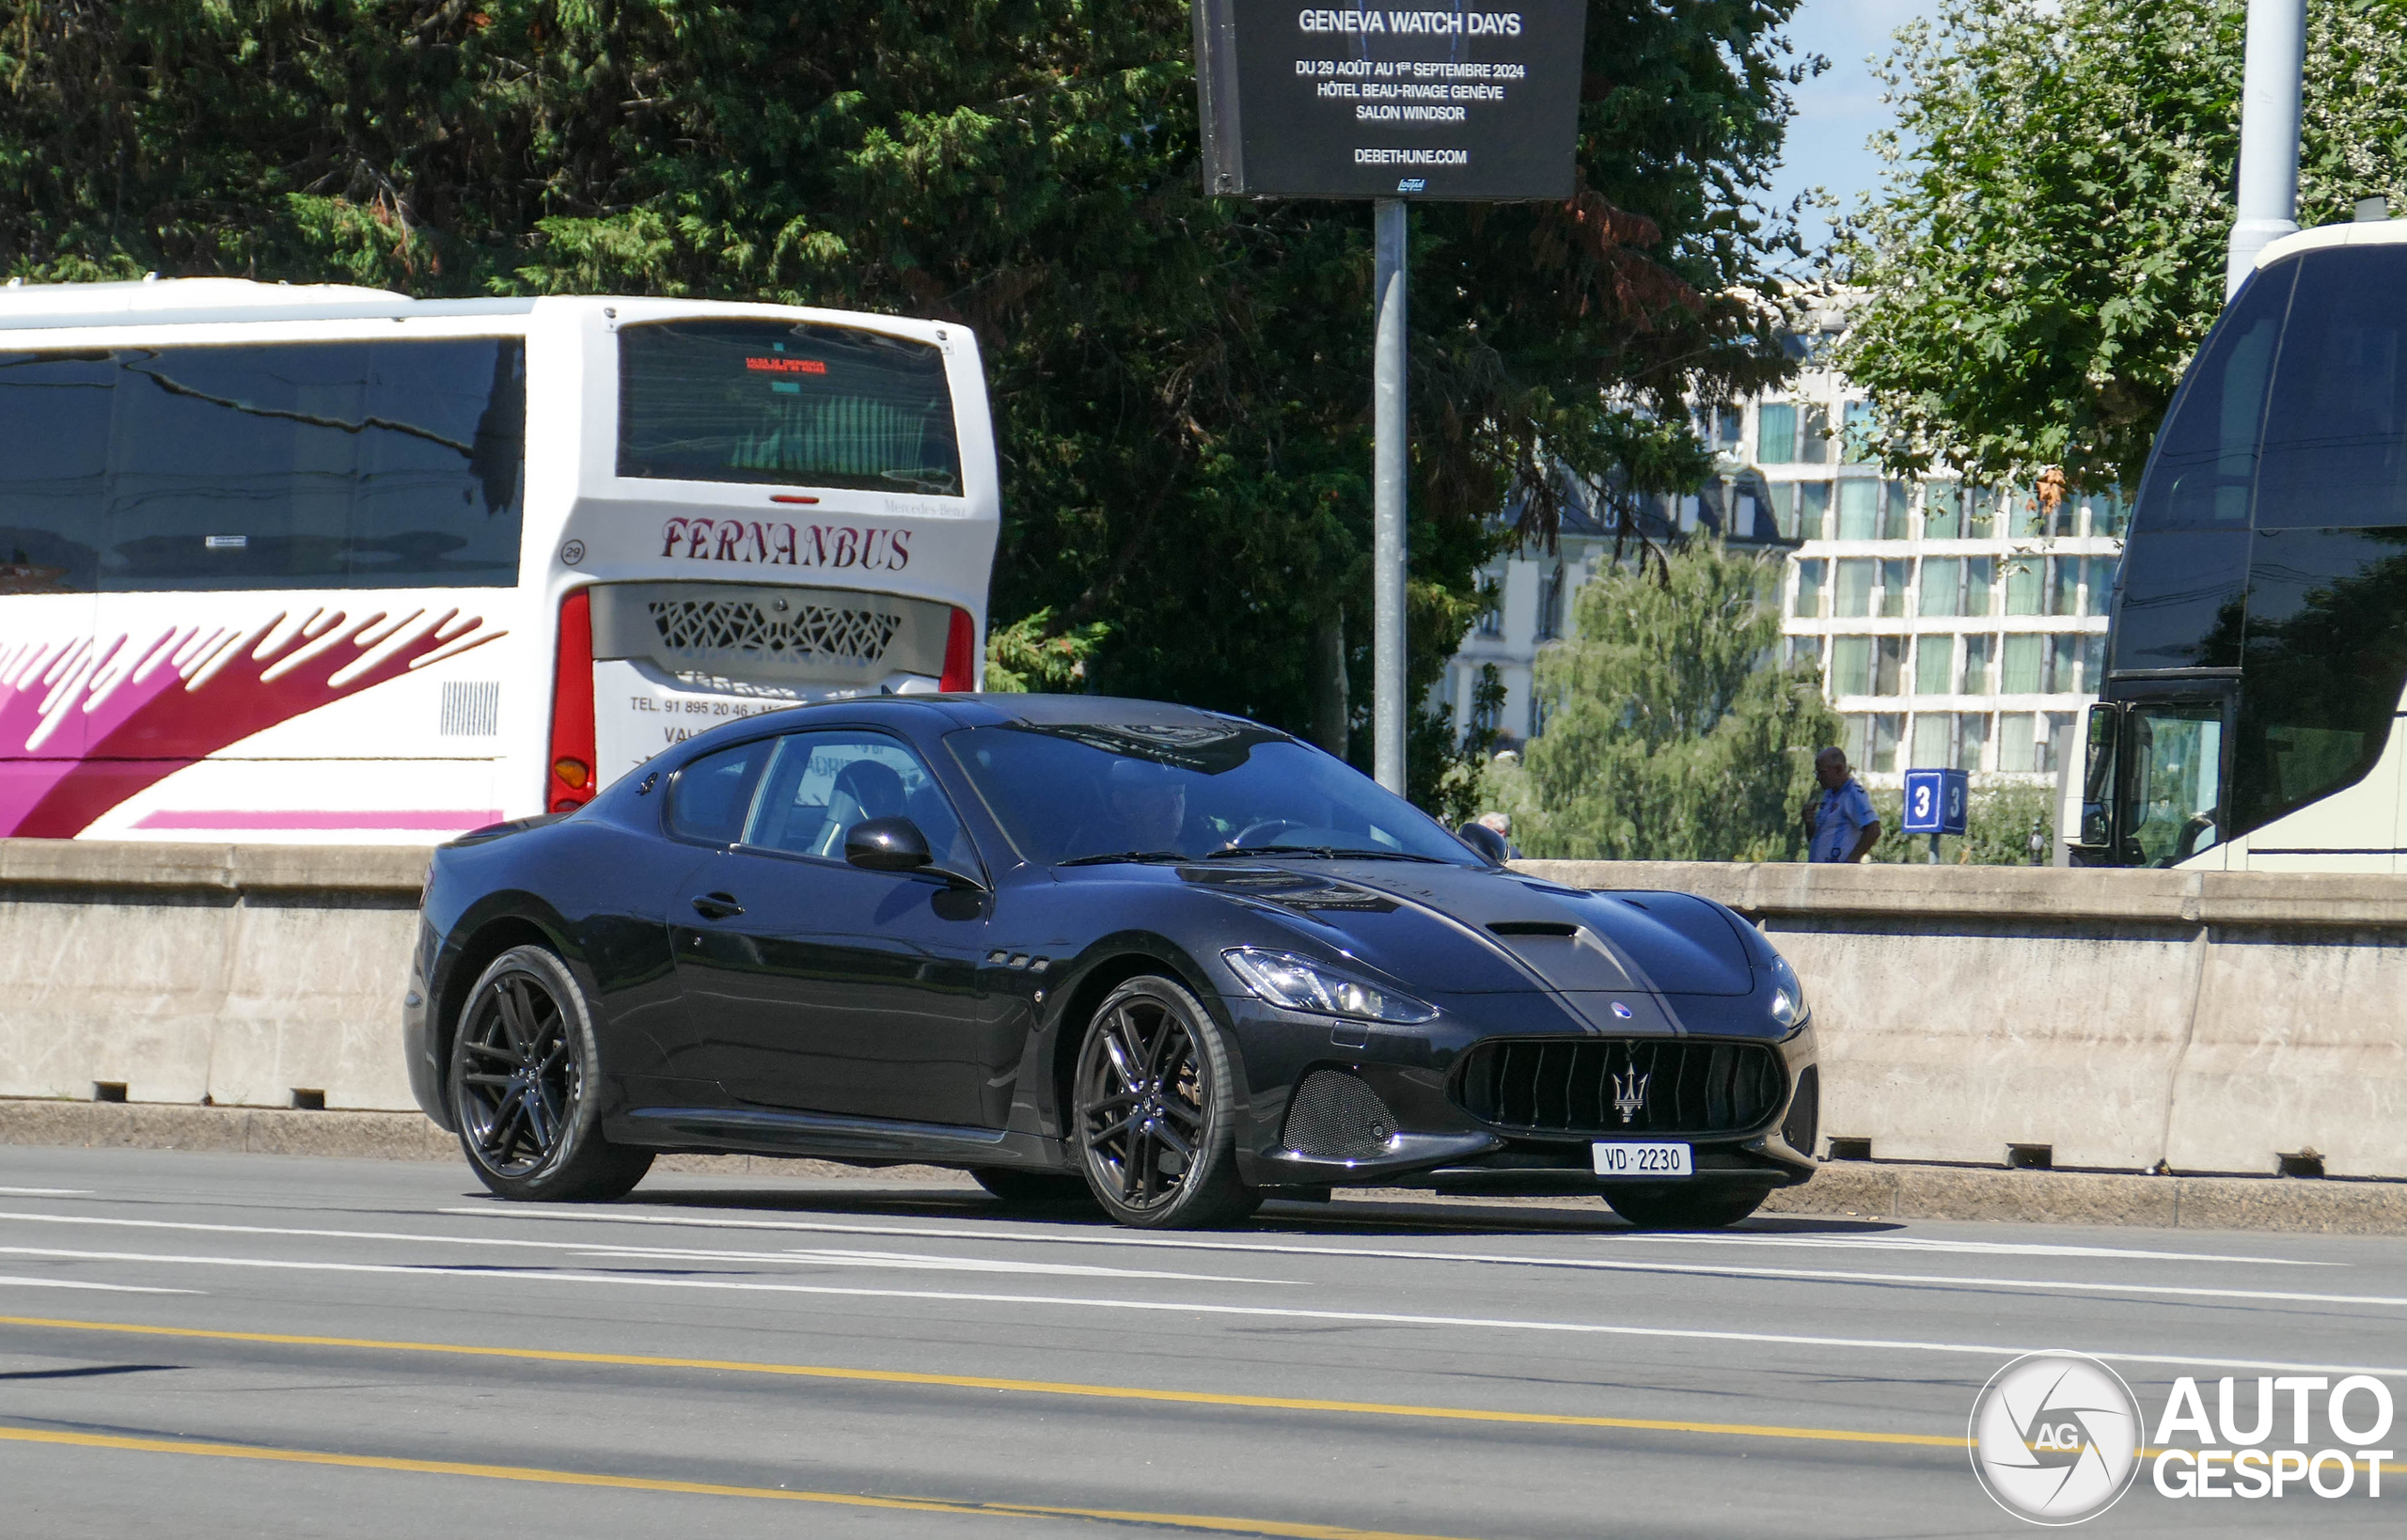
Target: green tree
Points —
{"points": [[1672, 734], [2047, 251], [1181, 383]]}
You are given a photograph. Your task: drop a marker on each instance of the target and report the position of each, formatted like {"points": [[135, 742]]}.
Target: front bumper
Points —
{"points": [[1433, 1142]]}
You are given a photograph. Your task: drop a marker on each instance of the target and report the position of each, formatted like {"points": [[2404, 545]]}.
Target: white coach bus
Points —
{"points": [[330, 564]]}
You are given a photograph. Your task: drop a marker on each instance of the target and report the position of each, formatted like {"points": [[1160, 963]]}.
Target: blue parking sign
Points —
{"points": [[1935, 801]]}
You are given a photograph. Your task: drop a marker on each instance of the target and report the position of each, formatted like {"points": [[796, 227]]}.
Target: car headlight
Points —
{"points": [[1284, 979], [1789, 1006]]}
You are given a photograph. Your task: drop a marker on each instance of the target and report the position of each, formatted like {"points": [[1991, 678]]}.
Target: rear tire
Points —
{"points": [[1013, 1185], [1153, 1113], [1678, 1206], [523, 1064]]}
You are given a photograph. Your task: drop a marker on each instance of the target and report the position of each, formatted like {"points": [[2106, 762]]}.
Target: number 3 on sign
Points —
{"points": [[1922, 802]]}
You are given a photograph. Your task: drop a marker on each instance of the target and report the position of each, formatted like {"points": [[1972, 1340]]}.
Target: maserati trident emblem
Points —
{"points": [[1629, 1095]]}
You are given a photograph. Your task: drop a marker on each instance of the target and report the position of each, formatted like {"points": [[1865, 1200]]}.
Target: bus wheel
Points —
{"points": [[521, 1064]]}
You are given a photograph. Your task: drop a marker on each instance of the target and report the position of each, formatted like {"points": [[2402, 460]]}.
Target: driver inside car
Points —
{"points": [[1147, 804]]}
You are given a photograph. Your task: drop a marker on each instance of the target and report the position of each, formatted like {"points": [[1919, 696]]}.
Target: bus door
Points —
{"points": [[2153, 784]]}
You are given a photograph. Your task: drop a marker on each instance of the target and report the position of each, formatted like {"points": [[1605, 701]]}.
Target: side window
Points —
{"points": [[710, 798], [2205, 463], [54, 420], [2335, 430], [823, 784]]}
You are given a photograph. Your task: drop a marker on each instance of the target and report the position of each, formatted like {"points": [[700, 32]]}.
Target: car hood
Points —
{"points": [[1469, 930]]}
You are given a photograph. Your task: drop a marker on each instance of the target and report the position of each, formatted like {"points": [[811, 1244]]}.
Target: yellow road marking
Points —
{"points": [[1028, 1387], [695, 1489]]}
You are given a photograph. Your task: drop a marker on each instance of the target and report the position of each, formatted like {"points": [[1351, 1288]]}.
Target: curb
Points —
{"points": [[1858, 1189]]}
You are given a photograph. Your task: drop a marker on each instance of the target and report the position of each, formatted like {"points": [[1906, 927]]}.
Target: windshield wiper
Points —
{"points": [[1326, 852], [1108, 857]]}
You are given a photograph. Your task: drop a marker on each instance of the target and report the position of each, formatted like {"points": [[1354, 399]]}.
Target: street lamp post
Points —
{"points": [[2268, 105]]}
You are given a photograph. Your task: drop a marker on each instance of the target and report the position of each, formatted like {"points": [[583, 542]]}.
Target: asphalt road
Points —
{"points": [[200, 1346]]}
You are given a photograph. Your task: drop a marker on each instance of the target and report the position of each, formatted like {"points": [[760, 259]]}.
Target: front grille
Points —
{"points": [[1334, 1116], [716, 628], [1620, 1085]]}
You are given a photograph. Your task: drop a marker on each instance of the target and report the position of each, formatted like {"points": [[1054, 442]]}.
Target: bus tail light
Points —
{"points": [[570, 783], [960, 653]]}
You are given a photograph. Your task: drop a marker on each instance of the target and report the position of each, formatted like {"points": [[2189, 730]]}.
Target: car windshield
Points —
{"points": [[1081, 793]]}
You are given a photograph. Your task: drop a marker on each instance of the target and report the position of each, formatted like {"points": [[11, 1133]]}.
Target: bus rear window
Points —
{"points": [[771, 401]]}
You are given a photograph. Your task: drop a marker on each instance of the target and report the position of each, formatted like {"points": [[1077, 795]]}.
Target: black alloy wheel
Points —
{"points": [[1681, 1205], [1151, 1111], [520, 1064]]}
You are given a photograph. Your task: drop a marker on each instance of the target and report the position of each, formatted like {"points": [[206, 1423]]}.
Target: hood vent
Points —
{"points": [[1533, 927]]}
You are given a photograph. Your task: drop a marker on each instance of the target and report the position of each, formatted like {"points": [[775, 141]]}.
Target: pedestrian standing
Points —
{"points": [[1841, 826]]}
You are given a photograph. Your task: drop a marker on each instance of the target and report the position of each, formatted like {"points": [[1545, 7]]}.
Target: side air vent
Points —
{"points": [[470, 709], [1531, 927], [1334, 1116], [1804, 1122]]}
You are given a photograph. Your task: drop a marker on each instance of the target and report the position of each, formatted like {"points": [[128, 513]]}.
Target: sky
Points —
{"points": [[1839, 110]]}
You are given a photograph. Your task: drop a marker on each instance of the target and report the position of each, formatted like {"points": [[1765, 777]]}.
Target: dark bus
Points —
{"points": [[2259, 640]]}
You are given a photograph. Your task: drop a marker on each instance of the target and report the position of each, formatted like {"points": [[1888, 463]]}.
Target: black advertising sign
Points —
{"points": [[1474, 104]]}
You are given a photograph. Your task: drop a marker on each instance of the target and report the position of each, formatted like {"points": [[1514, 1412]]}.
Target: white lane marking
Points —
{"points": [[908, 1261], [74, 1283], [1999, 1249], [1693, 1269], [45, 1192], [1186, 1307], [797, 1255]]}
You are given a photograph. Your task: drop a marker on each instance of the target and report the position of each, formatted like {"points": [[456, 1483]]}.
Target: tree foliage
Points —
{"points": [[1181, 383], [2048, 249], [1671, 735]]}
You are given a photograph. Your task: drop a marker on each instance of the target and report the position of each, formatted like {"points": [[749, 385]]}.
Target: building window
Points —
{"points": [[1491, 619], [1812, 510], [2055, 738], [1941, 518], [1856, 438], [1776, 433], [2063, 663], [1929, 741], [1813, 435], [1896, 505], [2022, 514], [1888, 664], [1851, 666], [2026, 656], [1808, 602], [1857, 576], [1859, 509], [1541, 710], [1802, 652], [1981, 580], [2093, 661], [1550, 605], [1487, 711], [1872, 741], [1934, 666], [2064, 585], [2024, 582], [1976, 674], [1895, 575], [2101, 583], [1943, 585], [2014, 742], [1972, 736]]}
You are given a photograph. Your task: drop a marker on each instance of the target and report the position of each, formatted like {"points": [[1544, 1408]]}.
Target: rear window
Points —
{"points": [[772, 401]]}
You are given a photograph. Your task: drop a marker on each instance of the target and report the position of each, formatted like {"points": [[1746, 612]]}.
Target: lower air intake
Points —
{"points": [[1802, 1125], [1334, 1116]]}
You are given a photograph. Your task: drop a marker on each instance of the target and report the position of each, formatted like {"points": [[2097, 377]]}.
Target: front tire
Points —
{"points": [[524, 1066], [1678, 1206], [1153, 1111]]}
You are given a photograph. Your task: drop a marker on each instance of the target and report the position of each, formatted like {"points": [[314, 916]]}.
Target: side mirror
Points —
{"points": [[1487, 842], [886, 845]]}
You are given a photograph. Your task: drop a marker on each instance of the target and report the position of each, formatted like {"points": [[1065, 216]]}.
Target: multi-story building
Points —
{"points": [[1955, 626]]}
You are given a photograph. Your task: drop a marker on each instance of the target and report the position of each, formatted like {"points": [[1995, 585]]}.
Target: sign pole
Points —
{"points": [[1387, 497]]}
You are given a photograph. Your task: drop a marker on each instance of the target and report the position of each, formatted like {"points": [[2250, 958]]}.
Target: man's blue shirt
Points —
{"points": [[1838, 820]]}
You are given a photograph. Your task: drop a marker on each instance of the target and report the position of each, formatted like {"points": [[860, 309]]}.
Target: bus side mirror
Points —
{"points": [[2098, 779]]}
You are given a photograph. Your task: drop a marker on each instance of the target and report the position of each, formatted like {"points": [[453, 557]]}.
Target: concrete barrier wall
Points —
{"points": [[2208, 1021], [239, 974]]}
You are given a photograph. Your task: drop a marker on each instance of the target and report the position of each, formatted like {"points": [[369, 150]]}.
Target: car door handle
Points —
{"points": [[717, 905]]}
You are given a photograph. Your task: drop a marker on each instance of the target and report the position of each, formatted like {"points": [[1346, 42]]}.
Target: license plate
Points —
{"points": [[1621, 1158]]}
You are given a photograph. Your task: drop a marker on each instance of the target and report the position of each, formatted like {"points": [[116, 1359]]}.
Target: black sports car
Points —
{"points": [[1173, 960]]}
